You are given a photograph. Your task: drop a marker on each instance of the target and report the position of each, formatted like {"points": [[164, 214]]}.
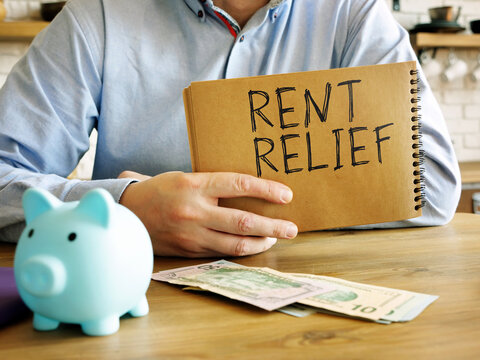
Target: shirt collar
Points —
{"points": [[274, 3], [198, 5]]}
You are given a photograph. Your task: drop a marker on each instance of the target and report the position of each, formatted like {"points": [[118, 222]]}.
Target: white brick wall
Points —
{"points": [[22, 9], [459, 99], [10, 53]]}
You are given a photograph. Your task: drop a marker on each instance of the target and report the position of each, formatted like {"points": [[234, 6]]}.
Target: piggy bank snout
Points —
{"points": [[42, 276]]}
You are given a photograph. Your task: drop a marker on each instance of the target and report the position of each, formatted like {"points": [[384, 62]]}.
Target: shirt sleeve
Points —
{"points": [[374, 37], [49, 105]]}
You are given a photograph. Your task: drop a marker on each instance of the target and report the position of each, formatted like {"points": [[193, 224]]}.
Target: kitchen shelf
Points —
{"points": [[21, 30], [422, 41], [470, 172]]}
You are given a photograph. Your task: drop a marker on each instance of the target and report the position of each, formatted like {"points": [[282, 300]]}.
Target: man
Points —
{"points": [[120, 66]]}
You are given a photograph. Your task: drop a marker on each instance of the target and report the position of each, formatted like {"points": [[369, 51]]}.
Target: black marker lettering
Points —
{"points": [[254, 110], [264, 155], [281, 109], [309, 151], [379, 139], [337, 148], [287, 156], [356, 148], [322, 114], [350, 96]]}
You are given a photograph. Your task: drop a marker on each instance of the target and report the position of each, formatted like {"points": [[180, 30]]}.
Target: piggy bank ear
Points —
{"points": [[98, 205], [36, 201]]}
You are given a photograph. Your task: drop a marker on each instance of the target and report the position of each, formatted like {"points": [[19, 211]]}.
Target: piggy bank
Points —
{"points": [[86, 262]]}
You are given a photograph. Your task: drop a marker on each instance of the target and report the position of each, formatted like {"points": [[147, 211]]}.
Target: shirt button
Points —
{"points": [[200, 13], [242, 38]]}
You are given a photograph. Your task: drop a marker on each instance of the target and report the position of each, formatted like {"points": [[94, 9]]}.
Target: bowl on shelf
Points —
{"points": [[443, 20], [48, 10], [444, 13], [475, 26]]}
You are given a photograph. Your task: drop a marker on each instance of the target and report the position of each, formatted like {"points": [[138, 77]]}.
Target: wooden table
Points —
{"points": [[442, 261]]}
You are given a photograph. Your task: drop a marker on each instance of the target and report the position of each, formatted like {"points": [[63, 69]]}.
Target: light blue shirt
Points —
{"points": [[120, 66]]}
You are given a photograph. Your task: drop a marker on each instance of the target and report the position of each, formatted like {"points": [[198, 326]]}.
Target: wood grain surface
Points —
{"points": [[442, 261]]}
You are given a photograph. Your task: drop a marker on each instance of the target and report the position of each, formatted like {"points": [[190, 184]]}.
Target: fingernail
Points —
{"points": [[271, 241], [291, 231], [286, 196]]}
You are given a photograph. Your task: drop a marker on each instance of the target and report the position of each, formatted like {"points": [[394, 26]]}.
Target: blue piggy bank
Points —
{"points": [[86, 262]]}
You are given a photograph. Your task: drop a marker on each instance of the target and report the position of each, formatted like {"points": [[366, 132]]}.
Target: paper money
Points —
{"points": [[298, 310], [300, 295], [411, 308], [262, 287], [371, 302], [354, 299]]}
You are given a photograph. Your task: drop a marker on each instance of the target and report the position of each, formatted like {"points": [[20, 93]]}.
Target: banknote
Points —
{"points": [[300, 295], [298, 310], [371, 302], [411, 308], [262, 287], [402, 313]]}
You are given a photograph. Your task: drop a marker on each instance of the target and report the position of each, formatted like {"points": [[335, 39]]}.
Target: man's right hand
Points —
{"points": [[181, 213]]}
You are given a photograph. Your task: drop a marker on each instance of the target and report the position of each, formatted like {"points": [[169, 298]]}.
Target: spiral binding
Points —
{"points": [[418, 155]]}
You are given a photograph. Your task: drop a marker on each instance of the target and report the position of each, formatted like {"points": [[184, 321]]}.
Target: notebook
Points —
{"points": [[346, 141]]}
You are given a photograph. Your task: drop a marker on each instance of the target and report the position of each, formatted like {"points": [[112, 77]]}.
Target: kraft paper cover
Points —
{"points": [[345, 148]]}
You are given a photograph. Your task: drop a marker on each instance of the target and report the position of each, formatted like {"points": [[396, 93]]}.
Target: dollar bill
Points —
{"points": [[298, 310], [262, 287], [411, 308], [371, 302], [300, 295]]}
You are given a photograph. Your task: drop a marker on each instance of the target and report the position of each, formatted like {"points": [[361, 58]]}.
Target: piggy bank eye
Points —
{"points": [[72, 236], [30, 233]]}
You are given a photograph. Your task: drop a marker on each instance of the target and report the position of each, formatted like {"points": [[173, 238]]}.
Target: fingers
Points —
{"points": [[245, 223], [228, 185], [221, 244], [182, 216]]}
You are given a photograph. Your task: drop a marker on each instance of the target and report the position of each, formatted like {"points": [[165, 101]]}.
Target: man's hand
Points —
{"points": [[181, 213]]}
